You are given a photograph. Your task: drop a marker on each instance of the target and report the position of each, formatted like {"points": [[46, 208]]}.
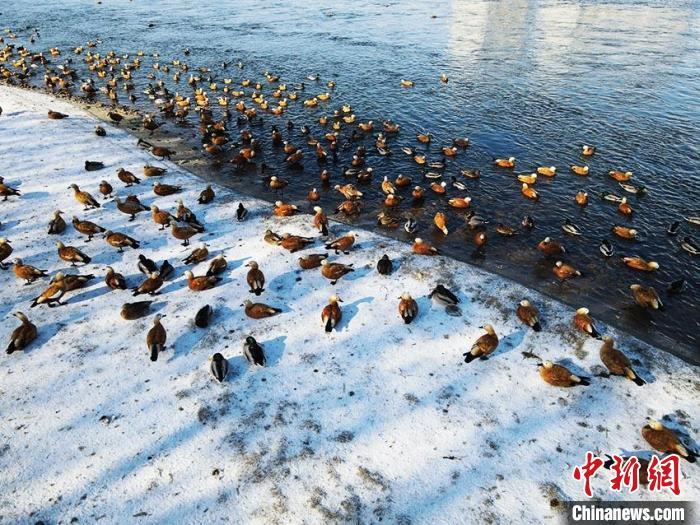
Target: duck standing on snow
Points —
{"points": [[219, 367], [201, 283], [150, 285], [87, 228], [259, 310], [255, 278], [5, 251], [207, 195], [27, 272], [616, 362], [120, 240], [443, 296], [342, 244], [114, 280], [56, 225], [320, 221], [384, 265], [218, 265], [131, 311], [201, 318], [156, 337], [183, 232], [665, 440], [408, 308], [483, 346], [198, 255], [253, 352], [529, 315], [334, 271], [584, 322], [71, 254], [331, 313], [53, 293], [23, 335], [558, 375], [311, 261], [131, 206], [84, 198]]}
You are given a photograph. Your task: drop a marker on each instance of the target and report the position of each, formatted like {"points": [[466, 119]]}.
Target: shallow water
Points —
{"points": [[532, 80]]}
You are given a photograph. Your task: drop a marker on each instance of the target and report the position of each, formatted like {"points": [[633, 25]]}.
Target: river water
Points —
{"points": [[528, 79]]}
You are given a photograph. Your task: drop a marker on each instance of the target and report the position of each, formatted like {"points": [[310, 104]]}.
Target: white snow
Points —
{"points": [[351, 427]]}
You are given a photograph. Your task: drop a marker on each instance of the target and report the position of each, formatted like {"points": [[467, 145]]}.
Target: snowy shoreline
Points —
{"points": [[354, 426]]}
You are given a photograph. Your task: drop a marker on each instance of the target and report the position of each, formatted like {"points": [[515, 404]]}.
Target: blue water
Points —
{"points": [[528, 79]]}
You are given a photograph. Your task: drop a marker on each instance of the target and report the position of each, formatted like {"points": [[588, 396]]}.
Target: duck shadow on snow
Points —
{"points": [[359, 273], [510, 342], [573, 367], [274, 349], [350, 310], [88, 294]]}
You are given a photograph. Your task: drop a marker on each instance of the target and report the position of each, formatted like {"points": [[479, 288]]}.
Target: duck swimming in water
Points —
{"points": [[637, 263], [610, 197], [570, 228], [646, 297], [631, 188], [673, 228], [620, 176], [689, 246], [579, 170], [505, 162], [606, 248], [676, 286], [410, 226], [624, 232], [587, 151], [565, 271]]}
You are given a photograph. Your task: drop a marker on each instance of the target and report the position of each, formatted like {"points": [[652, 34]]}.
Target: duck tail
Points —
{"points": [[632, 375], [11, 347], [639, 381], [469, 357], [324, 229], [329, 325], [584, 381], [87, 259], [34, 302], [154, 352], [691, 456], [537, 327]]}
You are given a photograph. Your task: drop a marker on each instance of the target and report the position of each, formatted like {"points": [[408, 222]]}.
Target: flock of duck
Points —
{"points": [[113, 73]]}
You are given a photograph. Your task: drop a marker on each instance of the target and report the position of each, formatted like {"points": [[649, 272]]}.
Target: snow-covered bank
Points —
{"points": [[379, 420]]}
